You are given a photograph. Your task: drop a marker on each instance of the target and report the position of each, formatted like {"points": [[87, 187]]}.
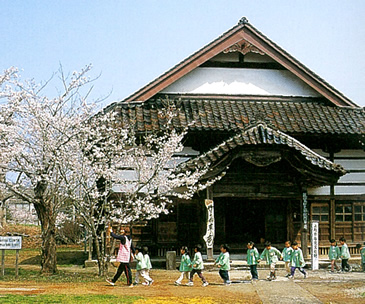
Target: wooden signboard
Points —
{"points": [[10, 243]]}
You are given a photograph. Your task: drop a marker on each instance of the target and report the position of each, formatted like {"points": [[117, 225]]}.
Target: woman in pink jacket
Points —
{"points": [[126, 249]]}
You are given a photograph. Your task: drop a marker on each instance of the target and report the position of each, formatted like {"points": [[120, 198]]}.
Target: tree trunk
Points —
{"points": [[47, 217], [99, 251], [49, 248]]}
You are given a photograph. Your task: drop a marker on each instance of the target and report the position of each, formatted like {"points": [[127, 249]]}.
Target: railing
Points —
{"points": [[323, 250]]}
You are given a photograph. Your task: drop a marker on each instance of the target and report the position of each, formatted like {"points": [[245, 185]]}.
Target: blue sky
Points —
{"points": [[130, 43]]}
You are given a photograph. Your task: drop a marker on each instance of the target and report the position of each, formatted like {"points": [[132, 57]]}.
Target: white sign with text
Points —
{"points": [[10, 242], [315, 245]]}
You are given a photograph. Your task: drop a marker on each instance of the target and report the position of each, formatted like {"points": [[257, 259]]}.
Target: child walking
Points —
{"points": [[223, 264], [198, 266], [362, 253], [185, 265], [345, 255], [297, 260], [333, 254], [141, 268], [253, 259], [271, 256], [148, 266], [285, 256]]}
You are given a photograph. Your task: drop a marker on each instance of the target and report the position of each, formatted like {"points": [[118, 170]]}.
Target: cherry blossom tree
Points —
{"points": [[35, 137], [57, 151]]}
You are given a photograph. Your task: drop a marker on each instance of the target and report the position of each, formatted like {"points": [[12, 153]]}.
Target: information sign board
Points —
{"points": [[315, 245], [10, 242]]}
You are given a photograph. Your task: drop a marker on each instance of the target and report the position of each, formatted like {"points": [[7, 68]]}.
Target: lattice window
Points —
{"points": [[359, 212], [320, 213], [343, 213]]}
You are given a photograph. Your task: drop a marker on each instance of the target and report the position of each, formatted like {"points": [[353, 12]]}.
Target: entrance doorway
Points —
{"points": [[239, 220]]}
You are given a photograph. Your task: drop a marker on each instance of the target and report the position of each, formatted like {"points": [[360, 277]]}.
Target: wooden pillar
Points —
{"points": [[304, 228], [332, 219], [17, 264], [332, 205], [2, 262], [289, 221]]}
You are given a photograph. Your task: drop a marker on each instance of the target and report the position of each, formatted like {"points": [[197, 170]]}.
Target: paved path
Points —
{"points": [[283, 291]]}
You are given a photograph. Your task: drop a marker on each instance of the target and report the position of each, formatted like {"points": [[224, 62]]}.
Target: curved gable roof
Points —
{"points": [[314, 168]]}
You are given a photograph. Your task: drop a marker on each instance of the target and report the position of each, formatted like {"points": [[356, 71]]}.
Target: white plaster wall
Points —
{"points": [[235, 81], [352, 183], [319, 191]]}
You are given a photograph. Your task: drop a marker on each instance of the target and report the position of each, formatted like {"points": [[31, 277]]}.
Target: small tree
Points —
{"points": [[36, 133]]}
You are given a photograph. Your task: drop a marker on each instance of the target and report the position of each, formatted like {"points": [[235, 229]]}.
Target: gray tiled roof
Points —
{"points": [[291, 117]]}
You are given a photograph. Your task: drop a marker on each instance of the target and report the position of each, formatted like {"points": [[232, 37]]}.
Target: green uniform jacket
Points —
{"points": [[271, 256], [252, 256], [185, 264], [345, 253], [286, 254], [141, 264], [296, 259], [198, 261], [334, 253], [223, 261], [362, 252], [147, 261]]}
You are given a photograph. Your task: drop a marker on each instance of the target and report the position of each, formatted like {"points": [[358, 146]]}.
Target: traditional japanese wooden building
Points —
{"points": [[292, 146]]}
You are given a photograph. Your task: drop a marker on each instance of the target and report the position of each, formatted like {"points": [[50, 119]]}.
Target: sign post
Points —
{"points": [[315, 245], [10, 243]]}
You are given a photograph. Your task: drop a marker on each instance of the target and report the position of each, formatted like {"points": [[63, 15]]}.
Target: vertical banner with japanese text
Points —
{"points": [[209, 235], [315, 245]]}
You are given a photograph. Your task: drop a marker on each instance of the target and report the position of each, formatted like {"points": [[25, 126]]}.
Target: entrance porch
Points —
{"points": [[240, 220]]}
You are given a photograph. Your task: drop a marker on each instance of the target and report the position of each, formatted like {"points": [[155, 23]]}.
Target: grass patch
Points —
{"points": [[83, 299], [61, 276], [63, 258], [73, 255]]}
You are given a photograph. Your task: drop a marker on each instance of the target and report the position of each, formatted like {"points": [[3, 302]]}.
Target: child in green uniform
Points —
{"points": [[185, 265], [141, 265], [333, 254], [253, 259], [198, 266], [345, 255], [223, 264], [271, 256], [297, 260], [362, 254], [147, 260], [285, 256]]}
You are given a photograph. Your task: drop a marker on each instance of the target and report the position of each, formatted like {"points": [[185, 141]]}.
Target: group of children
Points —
{"points": [[343, 253], [143, 266], [188, 268], [292, 256]]}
